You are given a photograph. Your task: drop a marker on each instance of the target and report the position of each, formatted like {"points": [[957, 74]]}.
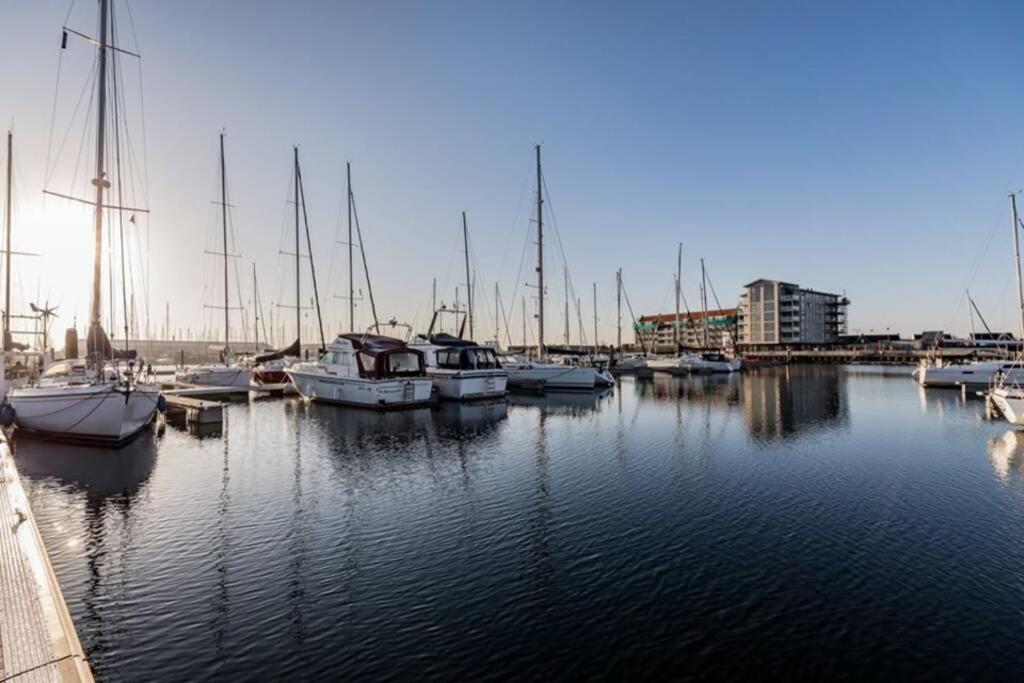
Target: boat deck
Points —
{"points": [[38, 641]]}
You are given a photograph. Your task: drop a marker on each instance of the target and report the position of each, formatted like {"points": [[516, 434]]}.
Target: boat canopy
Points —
{"points": [[383, 357], [444, 339]]}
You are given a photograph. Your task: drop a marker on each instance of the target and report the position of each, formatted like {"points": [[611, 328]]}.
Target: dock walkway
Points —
{"points": [[38, 641]]}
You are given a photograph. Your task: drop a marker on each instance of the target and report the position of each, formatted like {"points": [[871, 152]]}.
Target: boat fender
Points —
{"points": [[161, 403], [7, 415]]}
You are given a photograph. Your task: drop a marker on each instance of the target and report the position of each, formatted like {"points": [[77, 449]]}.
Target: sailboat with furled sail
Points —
{"points": [[97, 399], [225, 373]]}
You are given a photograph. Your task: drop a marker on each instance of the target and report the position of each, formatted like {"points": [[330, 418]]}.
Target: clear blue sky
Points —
{"points": [[860, 147]]}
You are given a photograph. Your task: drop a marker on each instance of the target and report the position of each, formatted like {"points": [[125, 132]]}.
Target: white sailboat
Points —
{"points": [[536, 374], [225, 373], [1008, 394], [90, 400]]}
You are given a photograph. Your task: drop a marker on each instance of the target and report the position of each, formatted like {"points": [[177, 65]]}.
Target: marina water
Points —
{"points": [[805, 519]]}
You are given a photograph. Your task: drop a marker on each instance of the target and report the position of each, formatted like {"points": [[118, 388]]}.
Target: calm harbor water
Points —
{"points": [[799, 520]]}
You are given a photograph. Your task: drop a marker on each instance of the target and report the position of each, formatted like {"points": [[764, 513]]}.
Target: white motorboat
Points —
{"points": [[365, 370], [978, 374], [712, 362], [73, 402], [461, 369], [231, 375]]}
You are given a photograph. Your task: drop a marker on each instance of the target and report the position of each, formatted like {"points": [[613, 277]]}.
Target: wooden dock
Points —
{"points": [[38, 641], [195, 410]]}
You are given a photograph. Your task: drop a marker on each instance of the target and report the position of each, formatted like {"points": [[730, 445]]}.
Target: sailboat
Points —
{"points": [[92, 399], [540, 374], [225, 373], [1007, 394], [368, 369]]}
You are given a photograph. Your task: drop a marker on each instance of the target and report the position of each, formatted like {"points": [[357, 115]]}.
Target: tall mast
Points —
{"points": [[565, 270], [7, 259], [618, 308], [100, 181], [224, 229], [469, 280], [1016, 261], [524, 324], [497, 320], [298, 298], [595, 320], [704, 301], [351, 280], [679, 286], [256, 312], [540, 262]]}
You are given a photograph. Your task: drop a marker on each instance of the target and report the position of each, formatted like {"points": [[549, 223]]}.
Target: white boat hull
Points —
{"points": [[365, 393], [98, 413], [672, 366], [970, 374], [216, 376], [1010, 403], [547, 376], [467, 385]]}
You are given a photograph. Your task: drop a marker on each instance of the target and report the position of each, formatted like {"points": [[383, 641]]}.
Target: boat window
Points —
{"points": [[403, 363], [368, 362], [448, 358], [486, 360]]}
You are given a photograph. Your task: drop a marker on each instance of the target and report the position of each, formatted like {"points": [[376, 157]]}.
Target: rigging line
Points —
{"points": [[366, 270], [633, 318], [719, 304], [117, 162], [86, 138], [312, 267], [574, 301]]}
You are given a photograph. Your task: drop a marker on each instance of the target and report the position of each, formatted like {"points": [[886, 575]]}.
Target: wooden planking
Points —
{"points": [[38, 641]]}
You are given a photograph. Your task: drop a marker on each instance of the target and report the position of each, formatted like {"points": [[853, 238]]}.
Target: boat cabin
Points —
{"points": [[453, 353], [375, 356]]}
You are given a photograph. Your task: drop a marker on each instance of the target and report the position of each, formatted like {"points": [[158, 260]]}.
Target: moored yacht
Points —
{"points": [[711, 362], [977, 374], [73, 401], [91, 400], [365, 370], [461, 369], [524, 373]]}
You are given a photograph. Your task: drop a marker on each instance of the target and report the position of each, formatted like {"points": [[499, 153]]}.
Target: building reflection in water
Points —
{"points": [[781, 402], [777, 403]]}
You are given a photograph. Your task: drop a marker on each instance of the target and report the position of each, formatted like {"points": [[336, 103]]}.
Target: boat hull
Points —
{"points": [[969, 374], [543, 376], [217, 376], [1010, 403], [95, 413], [362, 393], [468, 385]]}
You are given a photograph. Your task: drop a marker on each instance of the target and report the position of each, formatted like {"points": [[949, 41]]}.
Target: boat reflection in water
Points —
{"points": [[461, 420], [99, 472], [90, 500], [1006, 453], [564, 403]]}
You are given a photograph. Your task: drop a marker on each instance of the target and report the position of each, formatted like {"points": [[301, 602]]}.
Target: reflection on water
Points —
{"points": [[1006, 452], [791, 399], [715, 526]]}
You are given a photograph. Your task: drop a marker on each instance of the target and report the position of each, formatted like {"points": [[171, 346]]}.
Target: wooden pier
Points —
{"points": [[38, 641], [195, 410]]}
